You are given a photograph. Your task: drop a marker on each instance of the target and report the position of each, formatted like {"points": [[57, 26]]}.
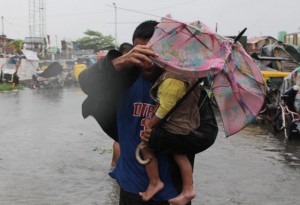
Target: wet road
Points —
{"points": [[50, 155]]}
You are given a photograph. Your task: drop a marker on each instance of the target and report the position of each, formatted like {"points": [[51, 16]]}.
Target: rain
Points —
{"points": [[51, 155]]}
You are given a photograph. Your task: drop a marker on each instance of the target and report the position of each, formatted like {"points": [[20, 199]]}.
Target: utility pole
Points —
{"points": [[115, 25], [37, 24], [2, 25], [56, 41], [37, 18]]}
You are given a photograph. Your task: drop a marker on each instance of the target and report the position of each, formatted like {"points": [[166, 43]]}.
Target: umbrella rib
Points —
{"points": [[193, 35]]}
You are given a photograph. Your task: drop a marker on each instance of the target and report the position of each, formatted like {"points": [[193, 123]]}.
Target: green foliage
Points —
{"points": [[9, 87], [95, 40], [17, 45]]}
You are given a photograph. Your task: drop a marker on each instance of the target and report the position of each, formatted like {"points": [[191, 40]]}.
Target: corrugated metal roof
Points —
{"points": [[34, 40], [257, 39]]}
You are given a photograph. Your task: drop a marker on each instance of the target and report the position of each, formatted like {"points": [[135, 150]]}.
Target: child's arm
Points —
{"points": [[169, 92], [154, 121]]}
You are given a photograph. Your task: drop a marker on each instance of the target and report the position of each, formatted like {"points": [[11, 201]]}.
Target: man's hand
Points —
{"points": [[138, 56]]}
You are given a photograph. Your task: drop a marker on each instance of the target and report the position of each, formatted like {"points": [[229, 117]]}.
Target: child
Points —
{"points": [[167, 90]]}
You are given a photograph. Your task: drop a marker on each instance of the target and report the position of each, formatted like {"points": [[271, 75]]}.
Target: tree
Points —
{"points": [[15, 46], [95, 40]]}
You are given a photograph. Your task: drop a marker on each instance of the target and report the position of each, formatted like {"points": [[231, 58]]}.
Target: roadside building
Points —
{"points": [[36, 44], [292, 38], [3, 42], [67, 46], [4, 50], [254, 44]]}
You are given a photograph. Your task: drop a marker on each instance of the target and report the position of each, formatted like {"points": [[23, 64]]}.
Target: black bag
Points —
{"points": [[295, 130], [197, 141]]}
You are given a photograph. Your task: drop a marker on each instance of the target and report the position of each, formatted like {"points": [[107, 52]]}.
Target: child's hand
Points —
{"points": [[147, 124], [147, 134], [147, 131]]}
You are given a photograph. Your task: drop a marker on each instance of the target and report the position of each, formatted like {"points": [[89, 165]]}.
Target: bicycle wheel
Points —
{"points": [[294, 130], [278, 122], [288, 124]]}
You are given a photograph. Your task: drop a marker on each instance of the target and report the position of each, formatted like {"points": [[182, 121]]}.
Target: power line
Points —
{"points": [[148, 14], [13, 24], [80, 14], [126, 22], [175, 5], [100, 12], [136, 11], [69, 14]]}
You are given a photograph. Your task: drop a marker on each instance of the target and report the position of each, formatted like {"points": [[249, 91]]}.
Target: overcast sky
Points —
{"points": [[69, 19]]}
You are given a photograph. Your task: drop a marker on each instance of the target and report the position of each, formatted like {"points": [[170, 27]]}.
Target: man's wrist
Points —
{"points": [[114, 59], [118, 63]]}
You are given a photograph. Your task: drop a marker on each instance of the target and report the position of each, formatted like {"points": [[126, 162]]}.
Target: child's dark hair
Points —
{"points": [[125, 47], [145, 30]]}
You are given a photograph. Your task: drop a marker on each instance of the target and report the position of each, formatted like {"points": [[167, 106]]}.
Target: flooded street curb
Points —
{"points": [[50, 155]]}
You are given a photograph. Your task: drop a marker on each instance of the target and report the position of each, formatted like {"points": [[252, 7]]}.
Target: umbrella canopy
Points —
{"points": [[197, 51], [239, 90], [188, 48]]}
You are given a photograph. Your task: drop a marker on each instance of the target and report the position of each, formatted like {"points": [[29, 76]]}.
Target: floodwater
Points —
{"points": [[50, 155]]}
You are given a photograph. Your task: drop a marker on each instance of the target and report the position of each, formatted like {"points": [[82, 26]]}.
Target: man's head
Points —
{"points": [[125, 48], [144, 31], [141, 36]]}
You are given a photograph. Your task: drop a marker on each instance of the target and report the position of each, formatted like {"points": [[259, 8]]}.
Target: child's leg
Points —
{"points": [[116, 155], [186, 170], [155, 184]]}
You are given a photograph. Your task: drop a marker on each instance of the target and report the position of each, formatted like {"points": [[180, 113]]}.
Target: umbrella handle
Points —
{"points": [[137, 154], [239, 35]]}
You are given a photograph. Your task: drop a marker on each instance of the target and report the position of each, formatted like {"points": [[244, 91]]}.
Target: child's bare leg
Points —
{"points": [[155, 184], [116, 155], [187, 193]]}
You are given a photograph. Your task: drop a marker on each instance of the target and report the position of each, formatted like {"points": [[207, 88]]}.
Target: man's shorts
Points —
{"points": [[127, 198]]}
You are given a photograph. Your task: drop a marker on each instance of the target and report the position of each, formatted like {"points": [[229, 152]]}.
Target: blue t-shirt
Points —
{"points": [[134, 107]]}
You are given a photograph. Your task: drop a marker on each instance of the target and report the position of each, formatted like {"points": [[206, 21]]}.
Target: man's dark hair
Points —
{"points": [[125, 47], [145, 30]]}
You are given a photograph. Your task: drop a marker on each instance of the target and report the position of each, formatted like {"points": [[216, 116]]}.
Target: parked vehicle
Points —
{"points": [[81, 64], [274, 80], [288, 111], [44, 64], [286, 119], [52, 77], [70, 79], [9, 70], [272, 74], [269, 108]]}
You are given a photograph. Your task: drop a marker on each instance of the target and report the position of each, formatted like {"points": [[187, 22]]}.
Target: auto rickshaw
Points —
{"points": [[274, 79], [80, 65], [267, 75]]}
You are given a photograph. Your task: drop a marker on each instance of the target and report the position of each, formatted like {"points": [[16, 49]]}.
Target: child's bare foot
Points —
{"points": [[183, 198], [152, 189]]}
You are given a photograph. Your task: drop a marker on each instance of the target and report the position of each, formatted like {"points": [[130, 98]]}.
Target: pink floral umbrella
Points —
{"points": [[196, 51]]}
